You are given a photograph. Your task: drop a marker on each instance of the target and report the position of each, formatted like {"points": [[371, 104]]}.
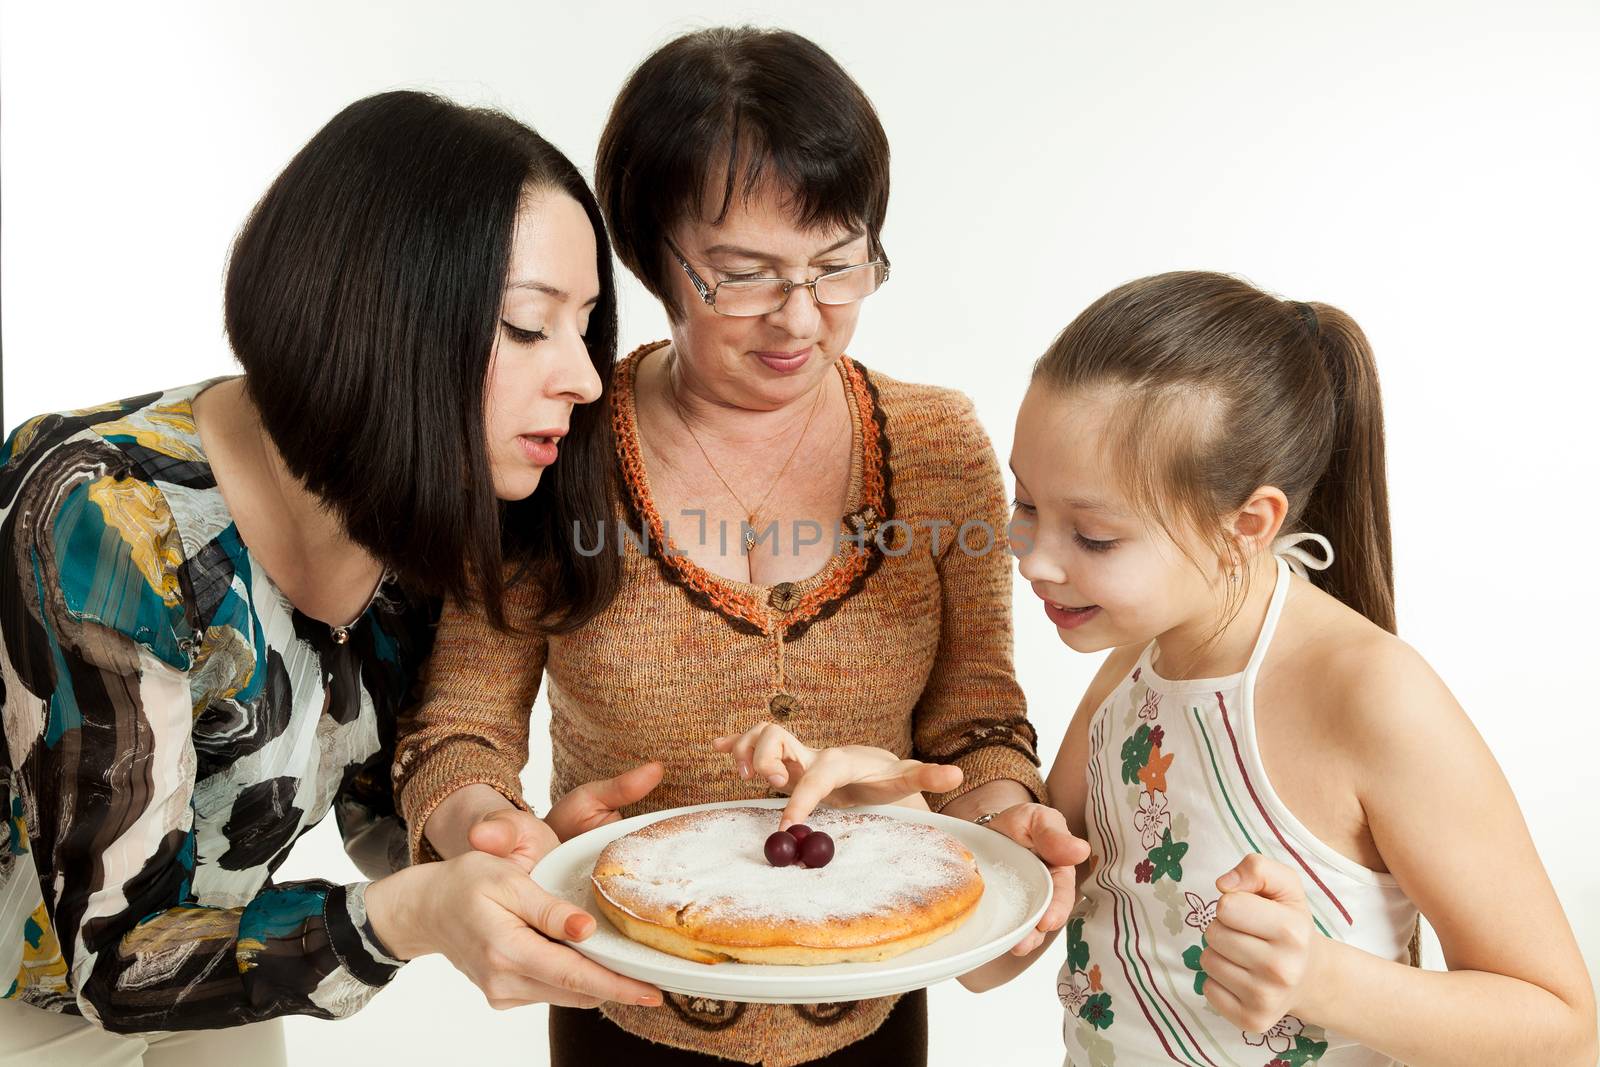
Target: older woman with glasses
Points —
{"points": [[810, 543]]}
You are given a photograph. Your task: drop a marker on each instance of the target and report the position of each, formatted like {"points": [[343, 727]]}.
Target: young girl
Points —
{"points": [[1271, 783]]}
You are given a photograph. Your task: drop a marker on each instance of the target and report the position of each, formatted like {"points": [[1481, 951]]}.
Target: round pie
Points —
{"points": [[699, 886]]}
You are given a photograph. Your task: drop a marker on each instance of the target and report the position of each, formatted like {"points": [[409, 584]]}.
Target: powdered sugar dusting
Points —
{"points": [[716, 860], [1003, 885]]}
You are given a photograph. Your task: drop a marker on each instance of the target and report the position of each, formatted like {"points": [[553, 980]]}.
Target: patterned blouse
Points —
{"points": [[171, 725]]}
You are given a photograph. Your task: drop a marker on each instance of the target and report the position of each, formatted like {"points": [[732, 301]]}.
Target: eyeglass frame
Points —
{"points": [[708, 293]]}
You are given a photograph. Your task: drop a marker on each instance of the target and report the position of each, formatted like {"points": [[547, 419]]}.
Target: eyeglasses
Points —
{"points": [[749, 297]]}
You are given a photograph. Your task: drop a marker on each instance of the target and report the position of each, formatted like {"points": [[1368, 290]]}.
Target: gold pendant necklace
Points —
{"points": [[782, 704], [749, 539]]}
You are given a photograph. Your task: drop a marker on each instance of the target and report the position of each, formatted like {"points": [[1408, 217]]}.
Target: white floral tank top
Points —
{"points": [[1178, 795]]}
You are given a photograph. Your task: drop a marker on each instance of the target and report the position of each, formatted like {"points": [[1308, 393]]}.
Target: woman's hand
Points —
{"points": [[595, 804], [524, 838], [497, 927], [841, 777], [1261, 949], [1043, 831]]}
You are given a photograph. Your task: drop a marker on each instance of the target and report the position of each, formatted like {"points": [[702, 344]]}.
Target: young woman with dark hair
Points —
{"points": [[217, 598]]}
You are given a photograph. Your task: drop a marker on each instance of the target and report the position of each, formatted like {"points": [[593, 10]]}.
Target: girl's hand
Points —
{"points": [[1261, 950], [1043, 831], [841, 777], [497, 927], [524, 838]]}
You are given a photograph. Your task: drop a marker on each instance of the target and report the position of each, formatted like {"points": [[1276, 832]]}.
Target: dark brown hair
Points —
{"points": [[766, 107], [363, 299], [1222, 389]]}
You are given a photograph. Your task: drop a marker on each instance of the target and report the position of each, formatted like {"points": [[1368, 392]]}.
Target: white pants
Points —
{"points": [[31, 1037]]}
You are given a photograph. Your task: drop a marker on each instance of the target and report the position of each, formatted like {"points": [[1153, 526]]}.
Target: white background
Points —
{"points": [[1430, 167]]}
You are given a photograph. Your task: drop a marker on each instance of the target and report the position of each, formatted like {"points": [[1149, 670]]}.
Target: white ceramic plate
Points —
{"points": [[1016, 892]]}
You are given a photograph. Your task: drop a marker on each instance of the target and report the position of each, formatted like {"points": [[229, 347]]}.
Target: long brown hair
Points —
{"points": [[1221, 389]]}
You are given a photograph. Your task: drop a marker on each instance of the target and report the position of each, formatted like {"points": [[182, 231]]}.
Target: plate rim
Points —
{"points": [[812, 988]]}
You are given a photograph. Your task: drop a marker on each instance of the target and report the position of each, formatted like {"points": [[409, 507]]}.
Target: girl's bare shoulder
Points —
{"points": [[1370, 687]]}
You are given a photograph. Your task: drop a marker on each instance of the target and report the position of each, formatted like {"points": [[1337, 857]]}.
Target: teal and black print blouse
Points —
{"points": [[171, 725]]}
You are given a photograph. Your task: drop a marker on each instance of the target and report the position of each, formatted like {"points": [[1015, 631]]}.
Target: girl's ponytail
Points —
{"points": [[1350, 502]]}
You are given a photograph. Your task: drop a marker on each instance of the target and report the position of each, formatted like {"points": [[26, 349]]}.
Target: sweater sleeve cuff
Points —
{"points": [[439, 773], [350, 933], [990, 764]]}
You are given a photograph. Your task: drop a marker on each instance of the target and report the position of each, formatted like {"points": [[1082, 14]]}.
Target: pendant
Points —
{"points": [[750, 536]]}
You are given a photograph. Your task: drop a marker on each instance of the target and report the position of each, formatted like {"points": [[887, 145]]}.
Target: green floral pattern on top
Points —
{"points": [[1167, 858], [1079, 986], [1144, 764], [1136, 753], [1160, 833], [1191, 960], [1292, 1043]]}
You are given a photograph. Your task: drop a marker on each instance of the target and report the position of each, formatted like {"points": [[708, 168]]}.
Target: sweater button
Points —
{"points": [[784, 597], [782, 706]]}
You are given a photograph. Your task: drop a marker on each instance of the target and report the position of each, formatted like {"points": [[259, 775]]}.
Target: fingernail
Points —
{"points": [[744, 770], [775, 779], [650, 1000], [576, 926], [1229, 880]]}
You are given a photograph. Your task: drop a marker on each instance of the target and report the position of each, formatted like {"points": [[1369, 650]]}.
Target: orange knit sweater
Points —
{"points": [[893, 644]]}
